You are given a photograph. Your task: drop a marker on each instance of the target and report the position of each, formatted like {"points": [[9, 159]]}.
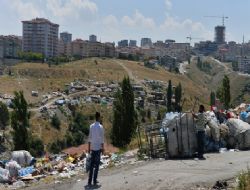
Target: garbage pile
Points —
{"points": [[228, 129], [22, 169]]}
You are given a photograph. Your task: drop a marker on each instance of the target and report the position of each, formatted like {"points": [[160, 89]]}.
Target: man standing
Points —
{"points": [[201, 122], [96, 146]]}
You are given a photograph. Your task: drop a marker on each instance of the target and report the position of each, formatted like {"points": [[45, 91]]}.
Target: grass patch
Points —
{"points": [[244, 181]]}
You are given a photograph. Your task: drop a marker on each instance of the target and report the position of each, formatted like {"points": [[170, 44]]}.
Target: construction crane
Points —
{"points": [[223, 18], [192, 38]]}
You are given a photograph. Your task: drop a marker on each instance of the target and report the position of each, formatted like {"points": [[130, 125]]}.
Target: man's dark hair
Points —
{"points": [[202, 108], [97, 116]]}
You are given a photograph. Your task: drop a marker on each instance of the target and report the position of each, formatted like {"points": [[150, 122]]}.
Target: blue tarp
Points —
{"points": [[26, 171]]}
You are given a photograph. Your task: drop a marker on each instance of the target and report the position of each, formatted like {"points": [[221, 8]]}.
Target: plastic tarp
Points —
{"points": [[239, 133], [22, 157], [4, 175], [26, 171]]}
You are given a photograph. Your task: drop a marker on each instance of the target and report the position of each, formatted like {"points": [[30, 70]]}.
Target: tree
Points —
{"points": [[4, 116], [212, 99], [169, 96], [20, 122], [226, 91], [178, 94], [158, 116], [125, 117], [223, 92], [55, 122], [149, 113], [78, 130]]}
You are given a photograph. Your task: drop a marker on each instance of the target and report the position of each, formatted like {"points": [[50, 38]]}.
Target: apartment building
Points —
{"points": [[84, 48], [244, 64], [132, 43], [1, 48], [146, 42], [123, 43], [93, 38], [10, 46], [40, 36], [66, 37]]}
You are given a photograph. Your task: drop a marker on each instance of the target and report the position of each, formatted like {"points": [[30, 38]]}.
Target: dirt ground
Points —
{"points": [[187, 174]]}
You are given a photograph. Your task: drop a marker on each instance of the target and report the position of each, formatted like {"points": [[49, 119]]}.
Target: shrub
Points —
{"points": [[55, 122], [36, 147]]}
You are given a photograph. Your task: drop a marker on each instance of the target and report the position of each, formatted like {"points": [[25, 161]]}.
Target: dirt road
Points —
{"points": [[170, 174]]}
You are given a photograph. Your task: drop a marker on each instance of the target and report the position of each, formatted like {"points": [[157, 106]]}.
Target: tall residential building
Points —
{"points": [[66, 37], [244, 64], [146, 42], [123, 43], [220, 34], [1, 48], [92, 38], [132, 43], [40, 36], [81, 48], [10, 46]]}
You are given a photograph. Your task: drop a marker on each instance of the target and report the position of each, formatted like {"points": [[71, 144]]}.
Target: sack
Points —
{"points": [[4, 175], [88, 163], [13, 168], [215, 131], [239, 132], [22, 157]]}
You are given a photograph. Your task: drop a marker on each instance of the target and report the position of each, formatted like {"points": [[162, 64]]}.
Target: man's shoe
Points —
{"points": [[97, 182], [202, 158]]}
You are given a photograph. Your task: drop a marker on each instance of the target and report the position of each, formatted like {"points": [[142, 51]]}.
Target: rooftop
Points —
{"points": [[39, 21]]}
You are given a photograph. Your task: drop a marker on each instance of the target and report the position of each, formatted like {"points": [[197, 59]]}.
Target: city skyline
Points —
{"points": [[114, 21]]}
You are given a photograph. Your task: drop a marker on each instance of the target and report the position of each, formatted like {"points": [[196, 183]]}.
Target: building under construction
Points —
{"points": [[220, 34]]}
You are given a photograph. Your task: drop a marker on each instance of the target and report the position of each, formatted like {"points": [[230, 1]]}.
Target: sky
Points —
{"points": [[114, 20]]}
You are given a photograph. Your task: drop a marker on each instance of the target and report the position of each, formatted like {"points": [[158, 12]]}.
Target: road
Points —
{"points": [[170, 174]]}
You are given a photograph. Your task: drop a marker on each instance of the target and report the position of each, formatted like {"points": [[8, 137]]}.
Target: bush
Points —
{"points": [[244, 181], [57, 146], [4, 116], [36, 147], [55, 122]]}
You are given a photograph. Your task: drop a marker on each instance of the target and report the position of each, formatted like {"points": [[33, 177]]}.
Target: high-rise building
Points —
{"points": [[132, 43], [10, 46], [220, 34], [146, 42], [40, 36], [92, 38], [123, 43], [66, 37]]}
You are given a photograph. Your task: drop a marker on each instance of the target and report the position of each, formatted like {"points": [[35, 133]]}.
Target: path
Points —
{"points": [[170, 174]]}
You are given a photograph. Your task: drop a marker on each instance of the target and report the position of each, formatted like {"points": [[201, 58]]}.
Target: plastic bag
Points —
{"points": [[4, 175], [88, 163]]}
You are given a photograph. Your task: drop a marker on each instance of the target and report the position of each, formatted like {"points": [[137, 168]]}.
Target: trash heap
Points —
{"points": [[24, 170], [229, 129]]}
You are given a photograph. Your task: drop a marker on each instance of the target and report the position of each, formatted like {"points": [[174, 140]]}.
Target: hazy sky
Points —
{"points": [[113, 20]]}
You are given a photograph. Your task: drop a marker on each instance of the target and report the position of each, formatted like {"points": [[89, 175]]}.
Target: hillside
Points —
{"points": [[44, 79], [213, 79]]}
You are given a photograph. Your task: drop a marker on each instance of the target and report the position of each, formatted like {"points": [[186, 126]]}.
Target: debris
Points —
{"points": [[18, 184]]}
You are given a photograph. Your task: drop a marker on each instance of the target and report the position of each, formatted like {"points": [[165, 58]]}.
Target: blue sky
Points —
{"points": [[113, 20]]}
